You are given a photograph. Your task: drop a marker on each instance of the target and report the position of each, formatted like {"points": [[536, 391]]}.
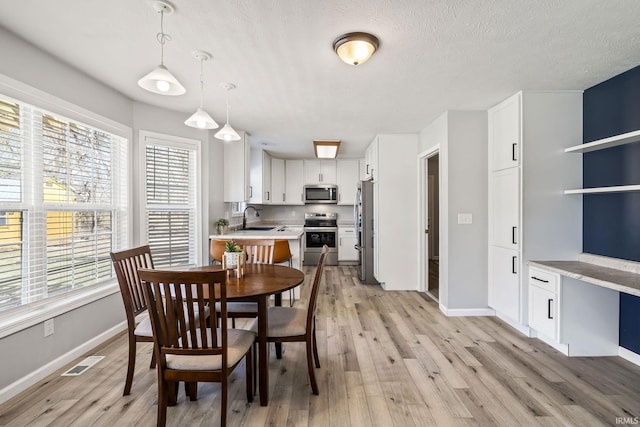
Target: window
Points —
{"points": [[171, 219], [63, 203]]}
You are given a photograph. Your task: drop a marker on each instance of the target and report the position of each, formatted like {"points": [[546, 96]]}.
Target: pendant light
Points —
{"points": [[160, 80], [201, 119], [227, 133]]}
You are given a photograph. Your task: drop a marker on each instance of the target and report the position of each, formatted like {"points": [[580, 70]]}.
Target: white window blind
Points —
{"points": [[171, 200], [63, 189]]}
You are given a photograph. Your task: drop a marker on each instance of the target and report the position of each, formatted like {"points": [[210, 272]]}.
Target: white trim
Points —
{"points": [[423, 170], [525, 330], [463, 312], [41, 373], [562, 348], [629, 355], [21, 318]]}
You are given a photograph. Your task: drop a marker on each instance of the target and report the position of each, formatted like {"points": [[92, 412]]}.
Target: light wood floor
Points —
{"points": [[388, 359]]}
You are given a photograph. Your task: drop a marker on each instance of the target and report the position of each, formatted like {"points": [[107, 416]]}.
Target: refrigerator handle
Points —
{"points": [[355, 210]]}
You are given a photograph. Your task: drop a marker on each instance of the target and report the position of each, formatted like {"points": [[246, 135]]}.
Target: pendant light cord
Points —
{"points": [[201, 82], [162, 37], [227, 106]]}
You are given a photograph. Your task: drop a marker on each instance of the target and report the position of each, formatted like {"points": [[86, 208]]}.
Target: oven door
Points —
{"points": [[316, 237]]}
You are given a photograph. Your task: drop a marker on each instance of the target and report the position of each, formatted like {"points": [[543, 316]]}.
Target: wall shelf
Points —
{"points": [[600, 190], [601, 144]]}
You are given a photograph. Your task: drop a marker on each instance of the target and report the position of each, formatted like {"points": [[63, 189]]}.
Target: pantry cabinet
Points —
{"points": [[528, 216]]}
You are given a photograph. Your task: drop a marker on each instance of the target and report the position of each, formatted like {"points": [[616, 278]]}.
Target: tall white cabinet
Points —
{"points": [[528, 216], [395, 240]]}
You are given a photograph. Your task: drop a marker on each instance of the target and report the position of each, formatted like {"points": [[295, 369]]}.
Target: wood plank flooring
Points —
{"points": [[387, 359]]}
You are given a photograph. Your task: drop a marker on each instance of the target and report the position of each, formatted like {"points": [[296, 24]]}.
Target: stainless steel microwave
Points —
{"points": [[321, 193]]}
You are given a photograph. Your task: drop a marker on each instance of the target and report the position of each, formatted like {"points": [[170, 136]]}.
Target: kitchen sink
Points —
{"points": [[259, 228]]}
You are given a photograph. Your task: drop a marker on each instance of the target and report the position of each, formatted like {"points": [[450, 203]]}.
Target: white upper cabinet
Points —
{"points": [[505, 134], [260, 177], [348, 177], [371, 160], [277, 181], [236, 170], [294, 182], [320, 172]]}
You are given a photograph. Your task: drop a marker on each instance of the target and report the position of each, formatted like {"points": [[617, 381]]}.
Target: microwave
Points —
{"points": [[320, 193]]}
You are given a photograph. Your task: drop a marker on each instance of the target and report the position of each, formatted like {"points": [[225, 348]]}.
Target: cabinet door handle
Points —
{"points": [[513, 151], [367, 172], [250, 192], [513, 264], [320, 177], [267, 195], [539, 280], [283, 197], [549, 302], [513, 235]]}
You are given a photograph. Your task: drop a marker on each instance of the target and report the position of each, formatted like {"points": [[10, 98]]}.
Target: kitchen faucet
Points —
{"points": [[244, 215]]}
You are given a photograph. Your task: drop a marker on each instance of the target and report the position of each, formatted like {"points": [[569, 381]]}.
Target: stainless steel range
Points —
{"points": [[320, 229]]}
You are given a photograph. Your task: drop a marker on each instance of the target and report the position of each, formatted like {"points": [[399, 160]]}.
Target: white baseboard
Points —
{"points": [[461, 312], [629, 355], [41, 373], [525, 330]]}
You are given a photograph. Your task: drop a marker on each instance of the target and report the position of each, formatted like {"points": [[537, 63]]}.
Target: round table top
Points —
{"points": [[259, 279]]}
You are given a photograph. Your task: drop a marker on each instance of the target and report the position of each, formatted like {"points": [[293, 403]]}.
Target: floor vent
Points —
{"points": [[81, 367]]}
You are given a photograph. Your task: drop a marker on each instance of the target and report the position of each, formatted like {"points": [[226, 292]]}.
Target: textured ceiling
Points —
{"points": [[435, 55]]}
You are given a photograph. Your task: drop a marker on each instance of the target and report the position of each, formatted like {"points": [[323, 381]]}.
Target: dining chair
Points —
{"points": [[293, 324], [186, 348], [281, 254], [216, 249], [126, 264], [258, 251]]}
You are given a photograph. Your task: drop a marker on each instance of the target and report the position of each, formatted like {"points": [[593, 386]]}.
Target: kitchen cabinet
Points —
{"points": [[260, 177], [320, 172], [543, 302], [294, 187], [363, 169], [236, 170], [277, 181], [347, 240], [395, 210], [529, 218], [348, 177], [371, 160]]}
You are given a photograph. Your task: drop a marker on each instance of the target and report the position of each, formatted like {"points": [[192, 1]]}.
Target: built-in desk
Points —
{"points": [[574, 305]]}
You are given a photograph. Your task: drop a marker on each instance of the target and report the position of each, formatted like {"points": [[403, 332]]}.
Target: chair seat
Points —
{"points": [[284, 322], [239, 341], [143, 329], [240, 307]]}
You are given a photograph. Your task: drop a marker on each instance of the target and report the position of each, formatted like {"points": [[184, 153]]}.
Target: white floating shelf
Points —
{"points": [[601, 144], [596, 190]]}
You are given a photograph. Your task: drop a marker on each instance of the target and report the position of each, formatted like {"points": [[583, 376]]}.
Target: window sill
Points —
{"points": [[25, 317]]}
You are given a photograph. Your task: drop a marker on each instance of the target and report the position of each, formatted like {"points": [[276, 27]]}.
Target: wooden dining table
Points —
{"points": [[258, 283]]}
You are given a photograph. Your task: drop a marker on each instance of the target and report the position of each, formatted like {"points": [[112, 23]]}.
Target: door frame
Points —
{"points": [[423, 206]]}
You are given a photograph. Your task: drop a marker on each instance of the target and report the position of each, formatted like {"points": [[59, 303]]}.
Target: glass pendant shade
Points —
{"points": [[355, 48], [201, 120], [227, 134], [161, 81]]}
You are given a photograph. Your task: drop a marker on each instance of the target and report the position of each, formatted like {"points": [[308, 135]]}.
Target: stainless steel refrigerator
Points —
{"points": [[363, 219]]}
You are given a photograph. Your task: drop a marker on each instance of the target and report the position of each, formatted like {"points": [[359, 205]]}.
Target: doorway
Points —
{"points": [[430, 223]]}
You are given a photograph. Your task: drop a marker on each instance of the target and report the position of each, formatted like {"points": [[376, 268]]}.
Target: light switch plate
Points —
{"points": [[465, 218], [48, 327]]}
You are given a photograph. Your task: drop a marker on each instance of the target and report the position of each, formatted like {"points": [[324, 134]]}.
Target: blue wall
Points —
{"points": [[611, 222]]}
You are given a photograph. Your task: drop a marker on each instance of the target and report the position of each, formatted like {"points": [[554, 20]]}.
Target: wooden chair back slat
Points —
{"points": [[313, 297], [259, 251], [126, 264]]}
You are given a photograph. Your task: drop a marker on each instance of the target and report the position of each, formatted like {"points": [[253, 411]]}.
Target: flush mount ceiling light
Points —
{"points": [[356, 48], [160, 80], [326, 149], [201, 119], [227, 133]]}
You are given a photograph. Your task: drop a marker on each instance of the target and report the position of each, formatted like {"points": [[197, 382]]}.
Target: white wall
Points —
{"points": [[26, 355], [462, 138]]}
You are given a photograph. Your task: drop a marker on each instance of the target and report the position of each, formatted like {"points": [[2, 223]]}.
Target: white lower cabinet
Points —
{"points": [[347, 240], [543, 303], [504, 289]]}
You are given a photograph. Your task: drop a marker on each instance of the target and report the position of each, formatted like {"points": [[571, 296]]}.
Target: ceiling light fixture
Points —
{"points": [[356, 48], [326, 149], [160, 80], [201, 119], [227, 133]]}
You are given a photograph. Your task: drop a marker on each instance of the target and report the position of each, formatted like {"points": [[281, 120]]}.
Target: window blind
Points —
{"points": [[63, 194], [171, 200]]}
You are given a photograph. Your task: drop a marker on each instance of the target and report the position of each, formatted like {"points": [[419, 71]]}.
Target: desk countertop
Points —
{"points": [[588, 268]]}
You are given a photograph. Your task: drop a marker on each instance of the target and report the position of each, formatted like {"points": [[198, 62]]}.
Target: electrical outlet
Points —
{"points": [[48, 327]]}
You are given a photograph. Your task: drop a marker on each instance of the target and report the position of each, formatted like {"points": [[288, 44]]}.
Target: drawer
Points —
{"points": [[544, 279]]}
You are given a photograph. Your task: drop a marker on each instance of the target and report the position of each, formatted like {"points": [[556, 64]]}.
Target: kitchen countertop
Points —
{"points": [[619, 275], [278, 232]]}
